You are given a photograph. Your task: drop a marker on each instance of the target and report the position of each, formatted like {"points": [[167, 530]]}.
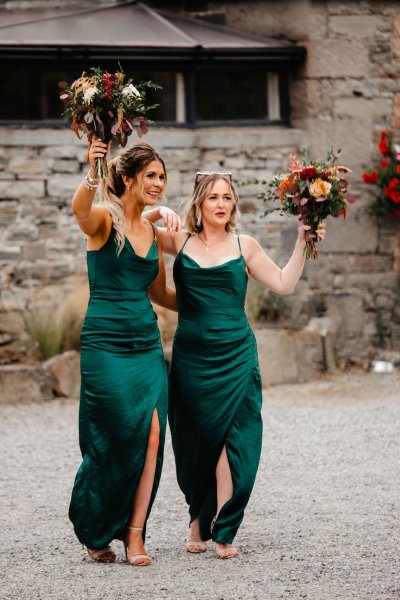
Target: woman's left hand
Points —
{"points": [[320, 232], [307, 234], [171, 220]]}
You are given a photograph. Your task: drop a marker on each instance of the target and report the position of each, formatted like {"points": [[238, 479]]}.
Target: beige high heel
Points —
{"points": [[137, 560], [196, 546], [98, 554], [229, 551]]}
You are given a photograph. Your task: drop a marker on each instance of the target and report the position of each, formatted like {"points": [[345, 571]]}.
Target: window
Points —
{"points": [[188, 97], [232, 95]]}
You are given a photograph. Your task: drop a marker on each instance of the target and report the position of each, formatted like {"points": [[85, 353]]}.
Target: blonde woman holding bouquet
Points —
{"points": [[123, 407], [215, 385]]}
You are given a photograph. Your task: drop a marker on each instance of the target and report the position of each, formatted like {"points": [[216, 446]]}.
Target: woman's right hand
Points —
{"points": [[98, 149]]}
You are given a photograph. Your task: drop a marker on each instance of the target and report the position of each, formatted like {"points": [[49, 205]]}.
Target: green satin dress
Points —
{"points": [[215, 391], [123, 381]]}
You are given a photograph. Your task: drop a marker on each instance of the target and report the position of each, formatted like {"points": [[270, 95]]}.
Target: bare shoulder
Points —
{"points": [[179, 239], [249, 245]]}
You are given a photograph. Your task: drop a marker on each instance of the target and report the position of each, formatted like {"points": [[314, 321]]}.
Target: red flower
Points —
{"points": [[308, 173], [370, 177], [384, 146], [385, 133], [392, 191], [384, 163], [108, 84], [398, 169]]}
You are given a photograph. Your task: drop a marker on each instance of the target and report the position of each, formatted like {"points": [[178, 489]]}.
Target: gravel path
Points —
{"points": [[323, 521]]}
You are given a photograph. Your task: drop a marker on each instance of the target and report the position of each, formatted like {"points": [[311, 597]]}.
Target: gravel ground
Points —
{"points": [[323, 521]]}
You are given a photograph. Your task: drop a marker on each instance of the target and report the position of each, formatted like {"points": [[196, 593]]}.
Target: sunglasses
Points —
{"points": [[201, 174]]}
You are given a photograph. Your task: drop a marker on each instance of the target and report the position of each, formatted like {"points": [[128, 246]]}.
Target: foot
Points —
{"points": [[194, 543], [104, 555], [136, 554], [225, 550]]}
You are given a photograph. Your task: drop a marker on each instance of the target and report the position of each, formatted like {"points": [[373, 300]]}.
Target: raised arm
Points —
{"points": [[172, 225], [263, 269], [159, 292], [91, 219]]}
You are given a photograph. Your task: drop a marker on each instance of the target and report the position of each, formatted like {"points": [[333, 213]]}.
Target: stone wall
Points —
{"points": [[345, 93]]}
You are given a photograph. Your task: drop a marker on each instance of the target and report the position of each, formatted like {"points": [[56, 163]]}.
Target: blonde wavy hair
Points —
{"points": [[202, 187], [130, 163]]}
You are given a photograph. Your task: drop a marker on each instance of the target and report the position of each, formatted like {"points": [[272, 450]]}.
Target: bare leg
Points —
{"points": [[224, 493], [141, 501], [194, 543], [224, 480]]}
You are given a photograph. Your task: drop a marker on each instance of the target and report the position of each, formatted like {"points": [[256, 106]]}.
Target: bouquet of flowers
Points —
{"points": [[106, 105], [387, 177], [312, 191]]}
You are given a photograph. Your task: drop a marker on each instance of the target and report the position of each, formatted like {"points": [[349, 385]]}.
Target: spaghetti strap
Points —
{"points": [[185, 242], [153, 228], [240, 247]]}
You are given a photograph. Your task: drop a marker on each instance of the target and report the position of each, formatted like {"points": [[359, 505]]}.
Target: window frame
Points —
{"points": [[278, 60]]}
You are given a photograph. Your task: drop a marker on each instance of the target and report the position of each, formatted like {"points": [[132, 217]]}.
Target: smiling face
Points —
{"points": [[218, 204], [149, 183]]}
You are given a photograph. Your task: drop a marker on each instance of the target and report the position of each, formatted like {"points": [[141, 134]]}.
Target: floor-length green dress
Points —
{"points": [[123, 381], [215, 391]]}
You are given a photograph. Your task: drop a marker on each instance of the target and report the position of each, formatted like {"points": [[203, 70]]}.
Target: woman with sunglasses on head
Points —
{"points": [[123, 406], [215, 384]]}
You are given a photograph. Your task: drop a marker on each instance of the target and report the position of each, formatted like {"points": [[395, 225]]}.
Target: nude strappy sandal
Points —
{"points": [[99, 553], [137, 560], [196, 547]]}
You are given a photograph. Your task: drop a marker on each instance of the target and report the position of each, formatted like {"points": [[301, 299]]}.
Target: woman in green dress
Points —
{"points": [[123, 406], [215, 384]]}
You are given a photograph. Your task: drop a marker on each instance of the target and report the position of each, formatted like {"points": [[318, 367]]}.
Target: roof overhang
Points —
{"points": [[132, 31]]}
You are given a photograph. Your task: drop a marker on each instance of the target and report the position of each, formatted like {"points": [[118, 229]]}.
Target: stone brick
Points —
{"points": [[18, 189], [27, 168], [60, 186], [396, 25], [347, 313], [287, 356], [396, 46], [65, 373], [10, 252], [356, 107], [311, 97], [66, 166], [356, 148], [174, 183], [33, 250], [274, 20], [357, 26], [396, 122], [9, 211], [357, 234], [349, 7], [248, 137], [24, 384], [63, 151], [330, 58]]}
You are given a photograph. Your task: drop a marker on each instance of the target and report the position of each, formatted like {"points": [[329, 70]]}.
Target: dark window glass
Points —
{"points": [[33, 94], [30, 94], [166, 97], [231, 95]]}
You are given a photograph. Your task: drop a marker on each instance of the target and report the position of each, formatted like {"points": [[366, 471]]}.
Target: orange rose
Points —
{"points": [[320, 188]]}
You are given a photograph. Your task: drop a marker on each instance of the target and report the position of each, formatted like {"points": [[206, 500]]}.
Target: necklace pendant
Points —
{"points": [[207, 248]]}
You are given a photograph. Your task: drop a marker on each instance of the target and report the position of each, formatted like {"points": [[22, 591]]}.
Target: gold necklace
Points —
{"points": [[210, 245]]}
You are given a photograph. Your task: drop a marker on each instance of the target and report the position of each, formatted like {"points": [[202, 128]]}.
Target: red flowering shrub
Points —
{"points": [[386, 177]]}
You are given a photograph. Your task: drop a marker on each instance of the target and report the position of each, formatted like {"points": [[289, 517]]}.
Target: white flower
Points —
{"points": [[130, 90], [89, 93]]}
